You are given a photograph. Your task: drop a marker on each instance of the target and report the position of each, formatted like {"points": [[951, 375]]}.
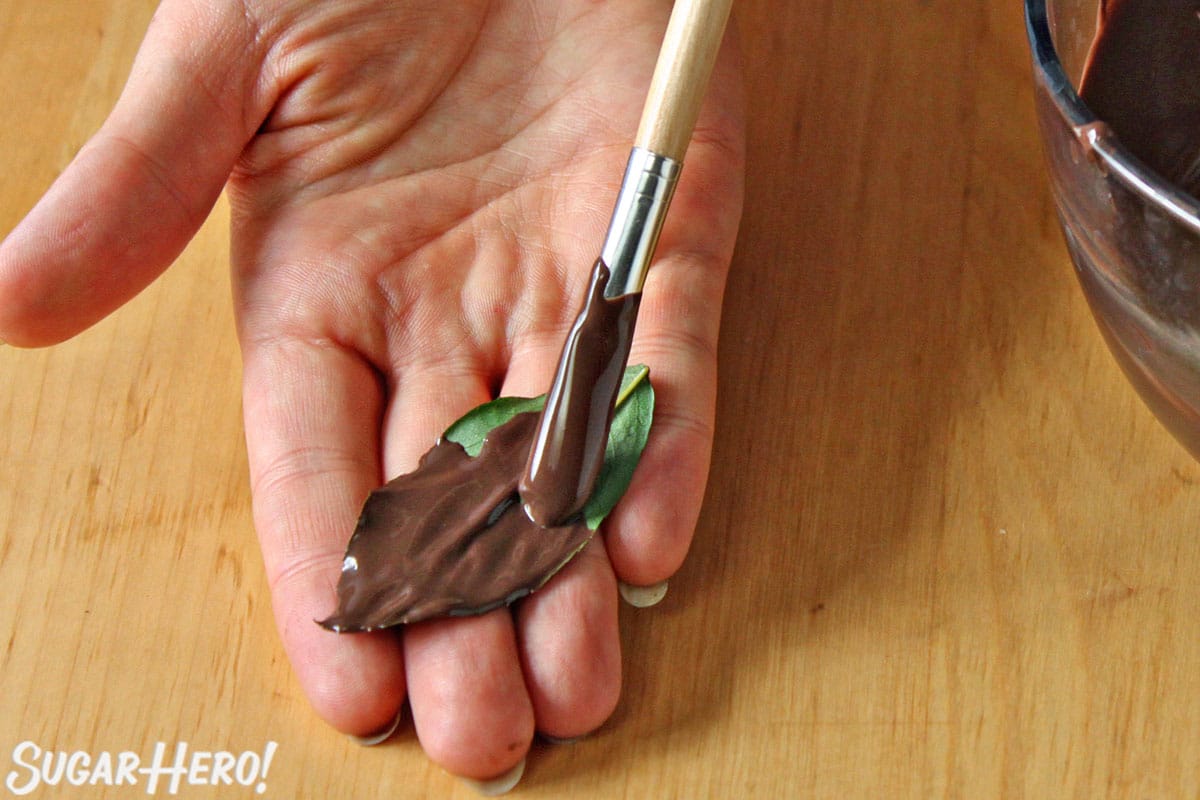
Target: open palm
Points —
{"points": [[418, 190]]}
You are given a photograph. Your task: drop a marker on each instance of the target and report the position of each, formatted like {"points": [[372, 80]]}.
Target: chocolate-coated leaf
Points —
{"points": [[626, 438], [472, 428], [451, 538]]}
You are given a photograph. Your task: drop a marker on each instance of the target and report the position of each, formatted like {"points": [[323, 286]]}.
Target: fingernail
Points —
{"points": [[564, 740], [643, 596], [498, 786], [382, 736]]}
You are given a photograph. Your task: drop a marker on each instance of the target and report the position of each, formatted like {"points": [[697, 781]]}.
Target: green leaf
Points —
{"points": [[472, 428], [626, 439]]}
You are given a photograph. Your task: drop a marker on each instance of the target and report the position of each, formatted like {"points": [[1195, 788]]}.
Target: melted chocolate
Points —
{"points": [[450, 538], [1141, 80], [573, 429]]}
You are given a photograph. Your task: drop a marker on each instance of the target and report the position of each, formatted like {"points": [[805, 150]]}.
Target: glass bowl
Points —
{"points": [[1134, 237]]}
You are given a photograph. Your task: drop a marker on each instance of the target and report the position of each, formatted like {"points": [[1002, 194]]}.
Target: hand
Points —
{"points": [[418, 192]]}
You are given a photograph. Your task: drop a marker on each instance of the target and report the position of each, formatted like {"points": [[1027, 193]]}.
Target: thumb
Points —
{"points": [[137, 192]]}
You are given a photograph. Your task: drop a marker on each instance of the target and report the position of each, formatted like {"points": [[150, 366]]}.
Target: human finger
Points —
{"points": [[568, 633], [470, 707], [571, 648], [139, 189], [469, 704], [312, 414]]}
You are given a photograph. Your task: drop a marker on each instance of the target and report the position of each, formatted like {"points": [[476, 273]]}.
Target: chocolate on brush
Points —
{"points": [[573, 429]]}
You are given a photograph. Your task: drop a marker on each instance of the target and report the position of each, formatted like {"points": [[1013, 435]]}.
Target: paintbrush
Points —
{"points": [[572, 433]]}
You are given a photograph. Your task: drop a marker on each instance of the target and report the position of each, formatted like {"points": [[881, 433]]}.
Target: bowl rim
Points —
{"points": [[1121, 164]]}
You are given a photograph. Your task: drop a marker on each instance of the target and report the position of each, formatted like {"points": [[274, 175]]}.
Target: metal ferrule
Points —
{"points": [[637, 220]]}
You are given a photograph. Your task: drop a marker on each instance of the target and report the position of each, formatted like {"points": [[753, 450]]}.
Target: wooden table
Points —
{"points": [[946, 552]]}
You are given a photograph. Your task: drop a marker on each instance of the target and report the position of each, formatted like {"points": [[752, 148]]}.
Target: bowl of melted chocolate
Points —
{"points": [[1117, 87]]}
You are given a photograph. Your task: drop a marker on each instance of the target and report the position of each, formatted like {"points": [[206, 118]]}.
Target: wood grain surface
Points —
{"points": [[946, 552]]}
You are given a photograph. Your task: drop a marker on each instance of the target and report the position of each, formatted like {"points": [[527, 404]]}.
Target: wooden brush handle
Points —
{"points": [[685, 63]]}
